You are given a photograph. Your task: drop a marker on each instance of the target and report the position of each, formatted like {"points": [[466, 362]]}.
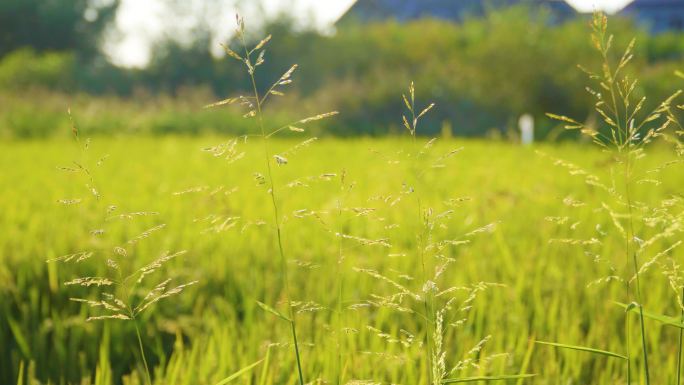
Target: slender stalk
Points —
{"points": [[142, 352], [421, 253], [628, 334], [340, 286], [681, 341], [127, 294], [628, 342], [632, 253], [339, 333], [643, 344], [429, 311], [622, 139], [428, 307], [276, 215]]}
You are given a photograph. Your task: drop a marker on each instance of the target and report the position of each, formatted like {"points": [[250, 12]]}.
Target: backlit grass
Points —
{"points": [[216, 327]]}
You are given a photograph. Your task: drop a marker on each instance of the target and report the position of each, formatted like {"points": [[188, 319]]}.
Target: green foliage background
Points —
{"points": [[483, 74]]}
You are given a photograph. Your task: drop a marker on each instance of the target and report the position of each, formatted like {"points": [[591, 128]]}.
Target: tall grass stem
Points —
{"points": [[276, 215]]}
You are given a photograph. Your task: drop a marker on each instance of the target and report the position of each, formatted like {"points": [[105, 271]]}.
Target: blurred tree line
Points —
{"points": [[483, 74]]}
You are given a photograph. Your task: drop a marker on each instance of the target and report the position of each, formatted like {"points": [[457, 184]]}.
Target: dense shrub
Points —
{"points": [[24, 68]]}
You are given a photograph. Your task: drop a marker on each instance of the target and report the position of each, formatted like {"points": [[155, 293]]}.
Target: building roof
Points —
{"points": [[657, 15], [654, 3], [403, 10]]}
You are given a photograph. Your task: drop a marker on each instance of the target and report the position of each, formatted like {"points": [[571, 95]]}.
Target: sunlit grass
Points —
{"points": [[217, 328]]}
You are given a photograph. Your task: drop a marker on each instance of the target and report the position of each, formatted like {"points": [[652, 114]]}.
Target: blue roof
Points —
{"points": [[655, 2], [638, 4], [403, 10], [657, 15]]}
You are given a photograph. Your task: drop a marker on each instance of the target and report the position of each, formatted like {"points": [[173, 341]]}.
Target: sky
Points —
{"points": [[140, 22]]}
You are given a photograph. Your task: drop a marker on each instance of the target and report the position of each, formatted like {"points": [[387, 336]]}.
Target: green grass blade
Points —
{"points": [[239, 373], [526, 361], [20, 378], [672, 321], [264, 370], [679, 349], [19, 337], [488, 378], [583, 349], [273, 311]]}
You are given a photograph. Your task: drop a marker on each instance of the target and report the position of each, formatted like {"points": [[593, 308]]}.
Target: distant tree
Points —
{"points": [[55, 25], [176, 64]]}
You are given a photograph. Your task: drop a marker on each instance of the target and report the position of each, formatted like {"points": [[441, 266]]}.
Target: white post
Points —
{"points": [[526, 124]]}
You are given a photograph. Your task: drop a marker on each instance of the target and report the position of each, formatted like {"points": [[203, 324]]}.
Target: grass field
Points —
{"points": [[216, 327]]}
